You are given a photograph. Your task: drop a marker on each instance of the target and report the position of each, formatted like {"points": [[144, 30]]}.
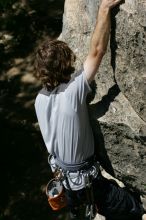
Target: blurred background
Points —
{"points": [[24, 171]]}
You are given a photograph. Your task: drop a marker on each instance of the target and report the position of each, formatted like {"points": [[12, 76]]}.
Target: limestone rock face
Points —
{"points": [[118, 110]]}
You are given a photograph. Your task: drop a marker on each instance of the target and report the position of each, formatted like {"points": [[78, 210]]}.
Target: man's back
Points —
{"points": [[64, 122]]}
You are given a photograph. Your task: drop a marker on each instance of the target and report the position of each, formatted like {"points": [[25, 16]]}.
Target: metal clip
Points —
{"points": [[87, 180], [89, 212], [58, 174]]}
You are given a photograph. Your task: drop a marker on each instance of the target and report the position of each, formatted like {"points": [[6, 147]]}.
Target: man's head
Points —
{"points": [[54, 63]]}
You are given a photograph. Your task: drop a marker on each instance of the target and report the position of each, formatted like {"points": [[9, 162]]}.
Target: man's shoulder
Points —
{"points": [[45, 92]]}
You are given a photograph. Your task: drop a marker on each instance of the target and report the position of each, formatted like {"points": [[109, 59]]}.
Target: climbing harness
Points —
{"points": [[84, 172]]}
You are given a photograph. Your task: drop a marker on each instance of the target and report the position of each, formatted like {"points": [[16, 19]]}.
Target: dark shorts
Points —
{"points": [[115, 202], [112, 201]]}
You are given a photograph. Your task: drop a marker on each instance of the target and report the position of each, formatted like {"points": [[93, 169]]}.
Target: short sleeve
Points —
{"points": [[77, 90]]}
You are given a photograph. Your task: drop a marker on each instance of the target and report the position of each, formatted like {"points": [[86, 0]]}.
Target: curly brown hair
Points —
{"points": [[54, 63]]}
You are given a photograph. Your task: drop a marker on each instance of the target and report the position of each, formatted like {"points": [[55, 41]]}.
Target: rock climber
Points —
{"points": [[63, 118]]}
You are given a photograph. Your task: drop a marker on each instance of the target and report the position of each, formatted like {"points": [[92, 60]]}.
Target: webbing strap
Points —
{"points": [[77, 166]]}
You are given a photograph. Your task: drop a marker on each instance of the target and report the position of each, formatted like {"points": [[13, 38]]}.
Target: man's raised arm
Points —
{"points": [[99, 40]]}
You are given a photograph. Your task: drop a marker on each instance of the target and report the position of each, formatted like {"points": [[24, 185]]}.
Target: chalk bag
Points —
{"points": [[56, 195]]}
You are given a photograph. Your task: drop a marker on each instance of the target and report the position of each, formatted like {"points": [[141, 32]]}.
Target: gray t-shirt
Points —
{"points": [[64, 122]]}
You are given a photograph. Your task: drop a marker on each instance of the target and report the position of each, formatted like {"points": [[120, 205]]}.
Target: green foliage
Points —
{"points": [[6, 4]]}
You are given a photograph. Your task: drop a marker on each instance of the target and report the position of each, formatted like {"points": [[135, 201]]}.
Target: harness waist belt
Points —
{"points": [[77, 166]]}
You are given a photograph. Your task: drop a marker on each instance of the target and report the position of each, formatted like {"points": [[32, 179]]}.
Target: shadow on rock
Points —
{"points": [[97, 110]]}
